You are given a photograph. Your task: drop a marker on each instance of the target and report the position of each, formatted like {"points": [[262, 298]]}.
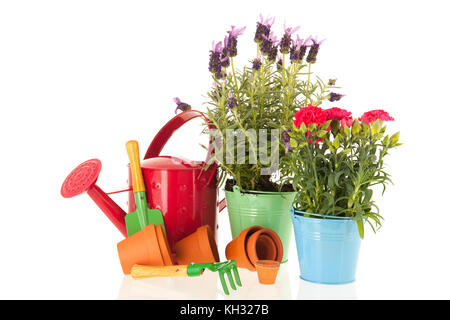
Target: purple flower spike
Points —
{"points": [[215, 60], [335, 96], [263, 28], [257, 63], [332, 82], [279, 63], [232, 102], [181, 105], [286, 41], [269, 46], [286, 138], [298, 49], [231, 41], [312, 55]]}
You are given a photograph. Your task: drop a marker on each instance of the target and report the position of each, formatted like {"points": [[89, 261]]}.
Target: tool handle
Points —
{"points": [[136, 172], [141, 272]]}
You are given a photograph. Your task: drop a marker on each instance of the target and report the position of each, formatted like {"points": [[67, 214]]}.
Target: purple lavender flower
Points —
{"points": [[298, 49], [335, 96], [263, 28], [217, 91], [268, 43], [286, 138], [279, 63], [224, 61], [215, 59], [257, 63], [273, 54], [181, 105], [332, 82], [312, 54], [231, 44], [286, 40], [232, 102]]}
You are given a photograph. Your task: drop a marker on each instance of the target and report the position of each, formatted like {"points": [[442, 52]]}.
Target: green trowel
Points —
{"points": [[143, 216]]}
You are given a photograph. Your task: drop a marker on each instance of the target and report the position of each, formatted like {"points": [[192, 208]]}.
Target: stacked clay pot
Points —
{"points": [[253, 244], [198, 247], [147, 247]]}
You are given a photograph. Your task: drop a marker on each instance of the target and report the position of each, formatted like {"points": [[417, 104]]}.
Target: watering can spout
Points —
{"points": [[115, 213], [82, 179]]}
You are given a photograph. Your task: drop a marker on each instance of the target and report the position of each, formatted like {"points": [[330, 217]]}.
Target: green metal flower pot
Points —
{"points": [[266, 209]]}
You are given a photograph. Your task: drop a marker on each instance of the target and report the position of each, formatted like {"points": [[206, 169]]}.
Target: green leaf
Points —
{"points": [[394, 139], [336, 142], [376, 127], [322, 133], [360, 224], [355, 127]]}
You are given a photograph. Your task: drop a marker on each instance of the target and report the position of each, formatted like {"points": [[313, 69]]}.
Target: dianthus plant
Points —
{"points": [[335, 162]]}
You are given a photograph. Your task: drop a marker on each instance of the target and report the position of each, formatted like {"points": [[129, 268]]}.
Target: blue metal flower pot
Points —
{"points": [[327, 248]]}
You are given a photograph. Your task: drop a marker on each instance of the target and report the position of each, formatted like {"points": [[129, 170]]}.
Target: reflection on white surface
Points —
{"points": [[206, 286], [314, 291]]}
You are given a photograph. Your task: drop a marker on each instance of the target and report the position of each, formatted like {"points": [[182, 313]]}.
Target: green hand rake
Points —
{"points": [[192, 270]]}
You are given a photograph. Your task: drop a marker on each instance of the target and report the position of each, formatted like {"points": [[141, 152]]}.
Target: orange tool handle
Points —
{"points": [[136, 172]]}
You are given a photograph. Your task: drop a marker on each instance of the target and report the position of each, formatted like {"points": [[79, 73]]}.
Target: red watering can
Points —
{"points": [[185, 193]]}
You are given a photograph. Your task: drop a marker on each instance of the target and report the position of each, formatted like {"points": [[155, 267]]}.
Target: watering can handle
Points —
{"points": [[164, 134]]}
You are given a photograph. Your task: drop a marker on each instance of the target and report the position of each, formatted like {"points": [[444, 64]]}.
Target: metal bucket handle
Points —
{"points": [[164, 134]]}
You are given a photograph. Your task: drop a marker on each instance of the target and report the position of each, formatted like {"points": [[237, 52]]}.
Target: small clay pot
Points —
{"points": [[267, 271], [163, 246], [261, 246], [198, 247], [278, 243], [237, 248], [140, 248]]}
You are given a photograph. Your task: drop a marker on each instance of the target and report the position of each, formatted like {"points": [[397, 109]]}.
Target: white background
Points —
{"points": [[80, 78]]}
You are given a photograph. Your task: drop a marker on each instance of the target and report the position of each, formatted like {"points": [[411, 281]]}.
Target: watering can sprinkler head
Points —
{"points": [[83, 179]]}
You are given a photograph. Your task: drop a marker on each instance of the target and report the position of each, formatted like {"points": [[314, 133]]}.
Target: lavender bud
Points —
{"points": [[335, 96], [232, 102], [261, 29], [256, 64], [181, 105], [312, 55], [272, 54], [285, 43]]}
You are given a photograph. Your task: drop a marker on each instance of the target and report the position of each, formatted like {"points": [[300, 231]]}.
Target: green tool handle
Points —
{"points": [[140, 196]]}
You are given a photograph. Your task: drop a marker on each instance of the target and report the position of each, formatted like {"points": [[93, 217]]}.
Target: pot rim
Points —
{"points": [[256, 192], [303, 214]]}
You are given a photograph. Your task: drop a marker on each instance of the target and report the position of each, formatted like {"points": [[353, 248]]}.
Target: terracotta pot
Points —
{"points": [[164, 246], [261, 246], [140, 248], [267, 271], [198, 247], [278, 242], [237, 248]]}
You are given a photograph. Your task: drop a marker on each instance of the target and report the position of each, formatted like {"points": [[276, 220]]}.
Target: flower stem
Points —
{"points": [[234, 77], [307, 87]]}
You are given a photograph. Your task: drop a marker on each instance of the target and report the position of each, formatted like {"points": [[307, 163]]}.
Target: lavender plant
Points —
{"points": [[262, 96]]}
